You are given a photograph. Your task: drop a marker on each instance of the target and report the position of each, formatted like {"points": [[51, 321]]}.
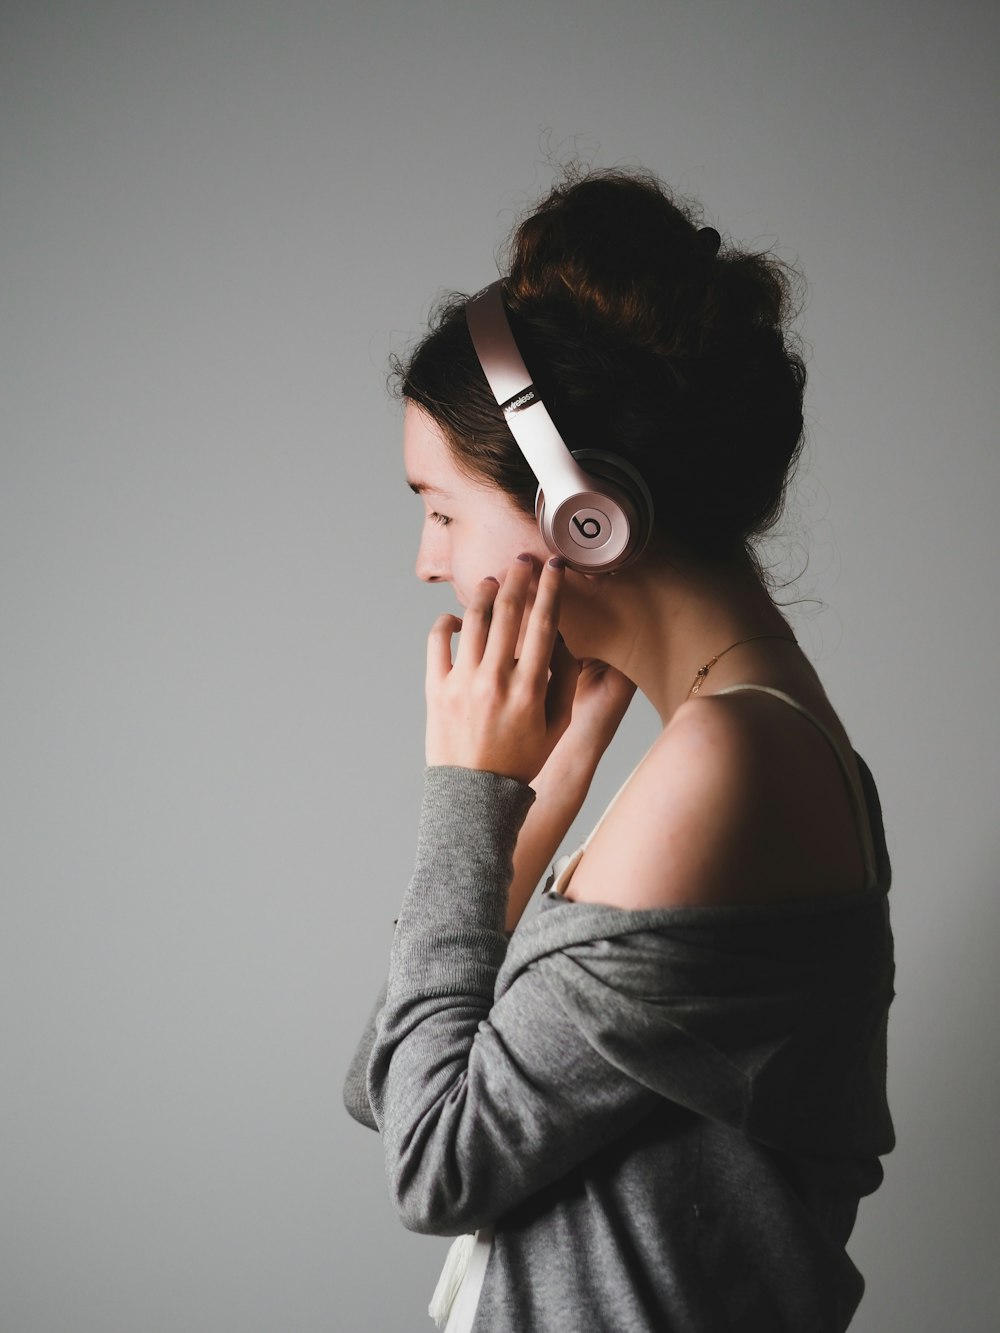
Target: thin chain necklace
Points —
{"points": [[703, 671]]}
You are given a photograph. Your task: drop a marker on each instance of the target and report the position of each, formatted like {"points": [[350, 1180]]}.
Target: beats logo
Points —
{"points": [[589, 527]]}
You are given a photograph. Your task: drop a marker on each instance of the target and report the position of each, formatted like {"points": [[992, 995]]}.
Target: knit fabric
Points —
{"points": [[670, 1115]]}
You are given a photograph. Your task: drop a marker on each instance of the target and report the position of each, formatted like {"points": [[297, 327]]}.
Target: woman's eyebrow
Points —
{"points": [[419, 487]]}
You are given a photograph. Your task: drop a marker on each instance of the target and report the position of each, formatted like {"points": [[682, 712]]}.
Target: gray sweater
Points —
{"points": [[670, 1115]]}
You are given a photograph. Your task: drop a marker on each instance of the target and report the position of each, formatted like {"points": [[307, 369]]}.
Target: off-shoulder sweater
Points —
{"points": [[668, 1115]]}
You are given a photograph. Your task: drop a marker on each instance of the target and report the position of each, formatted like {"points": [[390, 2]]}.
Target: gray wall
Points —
{"points": [[216, 219]]}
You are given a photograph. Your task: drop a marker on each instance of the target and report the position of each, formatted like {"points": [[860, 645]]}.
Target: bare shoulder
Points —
{"points": [[740, 800]]}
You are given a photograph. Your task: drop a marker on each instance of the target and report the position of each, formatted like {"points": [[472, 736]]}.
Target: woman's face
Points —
{"points": [[470, 529]]}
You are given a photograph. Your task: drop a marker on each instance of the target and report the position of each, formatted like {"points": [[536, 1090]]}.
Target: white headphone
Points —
{"points": [[598, 520]]}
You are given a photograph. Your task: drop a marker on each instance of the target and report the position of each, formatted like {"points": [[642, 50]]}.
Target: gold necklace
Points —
{"points": [[703, 671]]}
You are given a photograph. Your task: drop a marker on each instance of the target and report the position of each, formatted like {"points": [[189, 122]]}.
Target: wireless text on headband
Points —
{"points": [[598, 520]]}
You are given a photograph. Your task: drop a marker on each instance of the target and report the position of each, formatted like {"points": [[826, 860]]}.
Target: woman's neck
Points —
{"points": [[658, 622]]}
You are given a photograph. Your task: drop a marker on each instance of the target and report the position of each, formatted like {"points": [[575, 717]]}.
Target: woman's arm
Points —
{"points": [[561, 786], [560, 791], [477, 1102]]}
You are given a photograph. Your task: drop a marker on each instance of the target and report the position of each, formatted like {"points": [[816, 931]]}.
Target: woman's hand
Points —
{"points": [[603, 695], [492, 710]]}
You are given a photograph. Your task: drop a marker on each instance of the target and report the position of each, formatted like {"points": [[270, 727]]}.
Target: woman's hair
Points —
{"points": [[642, 341]]}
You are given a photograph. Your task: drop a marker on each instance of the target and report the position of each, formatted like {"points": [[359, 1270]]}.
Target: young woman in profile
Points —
{"points": [[656, 1102]]}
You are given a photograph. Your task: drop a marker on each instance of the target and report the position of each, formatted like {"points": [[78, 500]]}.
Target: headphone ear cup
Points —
{"points": [[623, 484], [597, 521]]}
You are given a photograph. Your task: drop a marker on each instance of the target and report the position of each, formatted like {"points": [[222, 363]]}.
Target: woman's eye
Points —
{"points": [[440, 518]]}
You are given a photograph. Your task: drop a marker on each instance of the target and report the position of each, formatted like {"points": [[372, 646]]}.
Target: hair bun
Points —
{"points": [[709, 240]]}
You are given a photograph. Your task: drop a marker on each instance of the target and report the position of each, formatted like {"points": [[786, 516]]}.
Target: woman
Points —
{"points": [[656, 1102]]}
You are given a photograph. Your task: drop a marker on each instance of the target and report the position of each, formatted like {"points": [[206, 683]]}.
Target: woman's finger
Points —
{"points": [[439, 647], [561, 692], [477, 623], [508, 613], [543, 625]]}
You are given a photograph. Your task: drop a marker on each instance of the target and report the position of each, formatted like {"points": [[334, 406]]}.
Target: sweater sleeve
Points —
{"points": [[355, 1091], [479, 1103]]}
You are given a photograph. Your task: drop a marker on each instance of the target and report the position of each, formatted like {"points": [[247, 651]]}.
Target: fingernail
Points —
{"points": [[526, 558], [490, 579], [557, 562]]}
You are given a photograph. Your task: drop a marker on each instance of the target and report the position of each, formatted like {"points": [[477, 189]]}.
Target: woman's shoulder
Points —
{"points": [[741, 799]]}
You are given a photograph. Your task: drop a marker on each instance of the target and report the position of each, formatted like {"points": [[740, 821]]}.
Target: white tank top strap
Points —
{"points": [[853, 781]]}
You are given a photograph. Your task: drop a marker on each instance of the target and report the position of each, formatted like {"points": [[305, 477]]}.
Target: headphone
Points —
{"points": [[598, 520]]}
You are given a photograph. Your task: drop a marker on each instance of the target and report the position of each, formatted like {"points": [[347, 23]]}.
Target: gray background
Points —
{"points": [[216, 220]]}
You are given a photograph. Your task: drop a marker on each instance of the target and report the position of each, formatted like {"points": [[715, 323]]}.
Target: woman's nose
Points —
{"points": [[430, 564]]}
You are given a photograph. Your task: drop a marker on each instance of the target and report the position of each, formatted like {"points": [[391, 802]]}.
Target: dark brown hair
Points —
{"points": [[642, 341]]}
